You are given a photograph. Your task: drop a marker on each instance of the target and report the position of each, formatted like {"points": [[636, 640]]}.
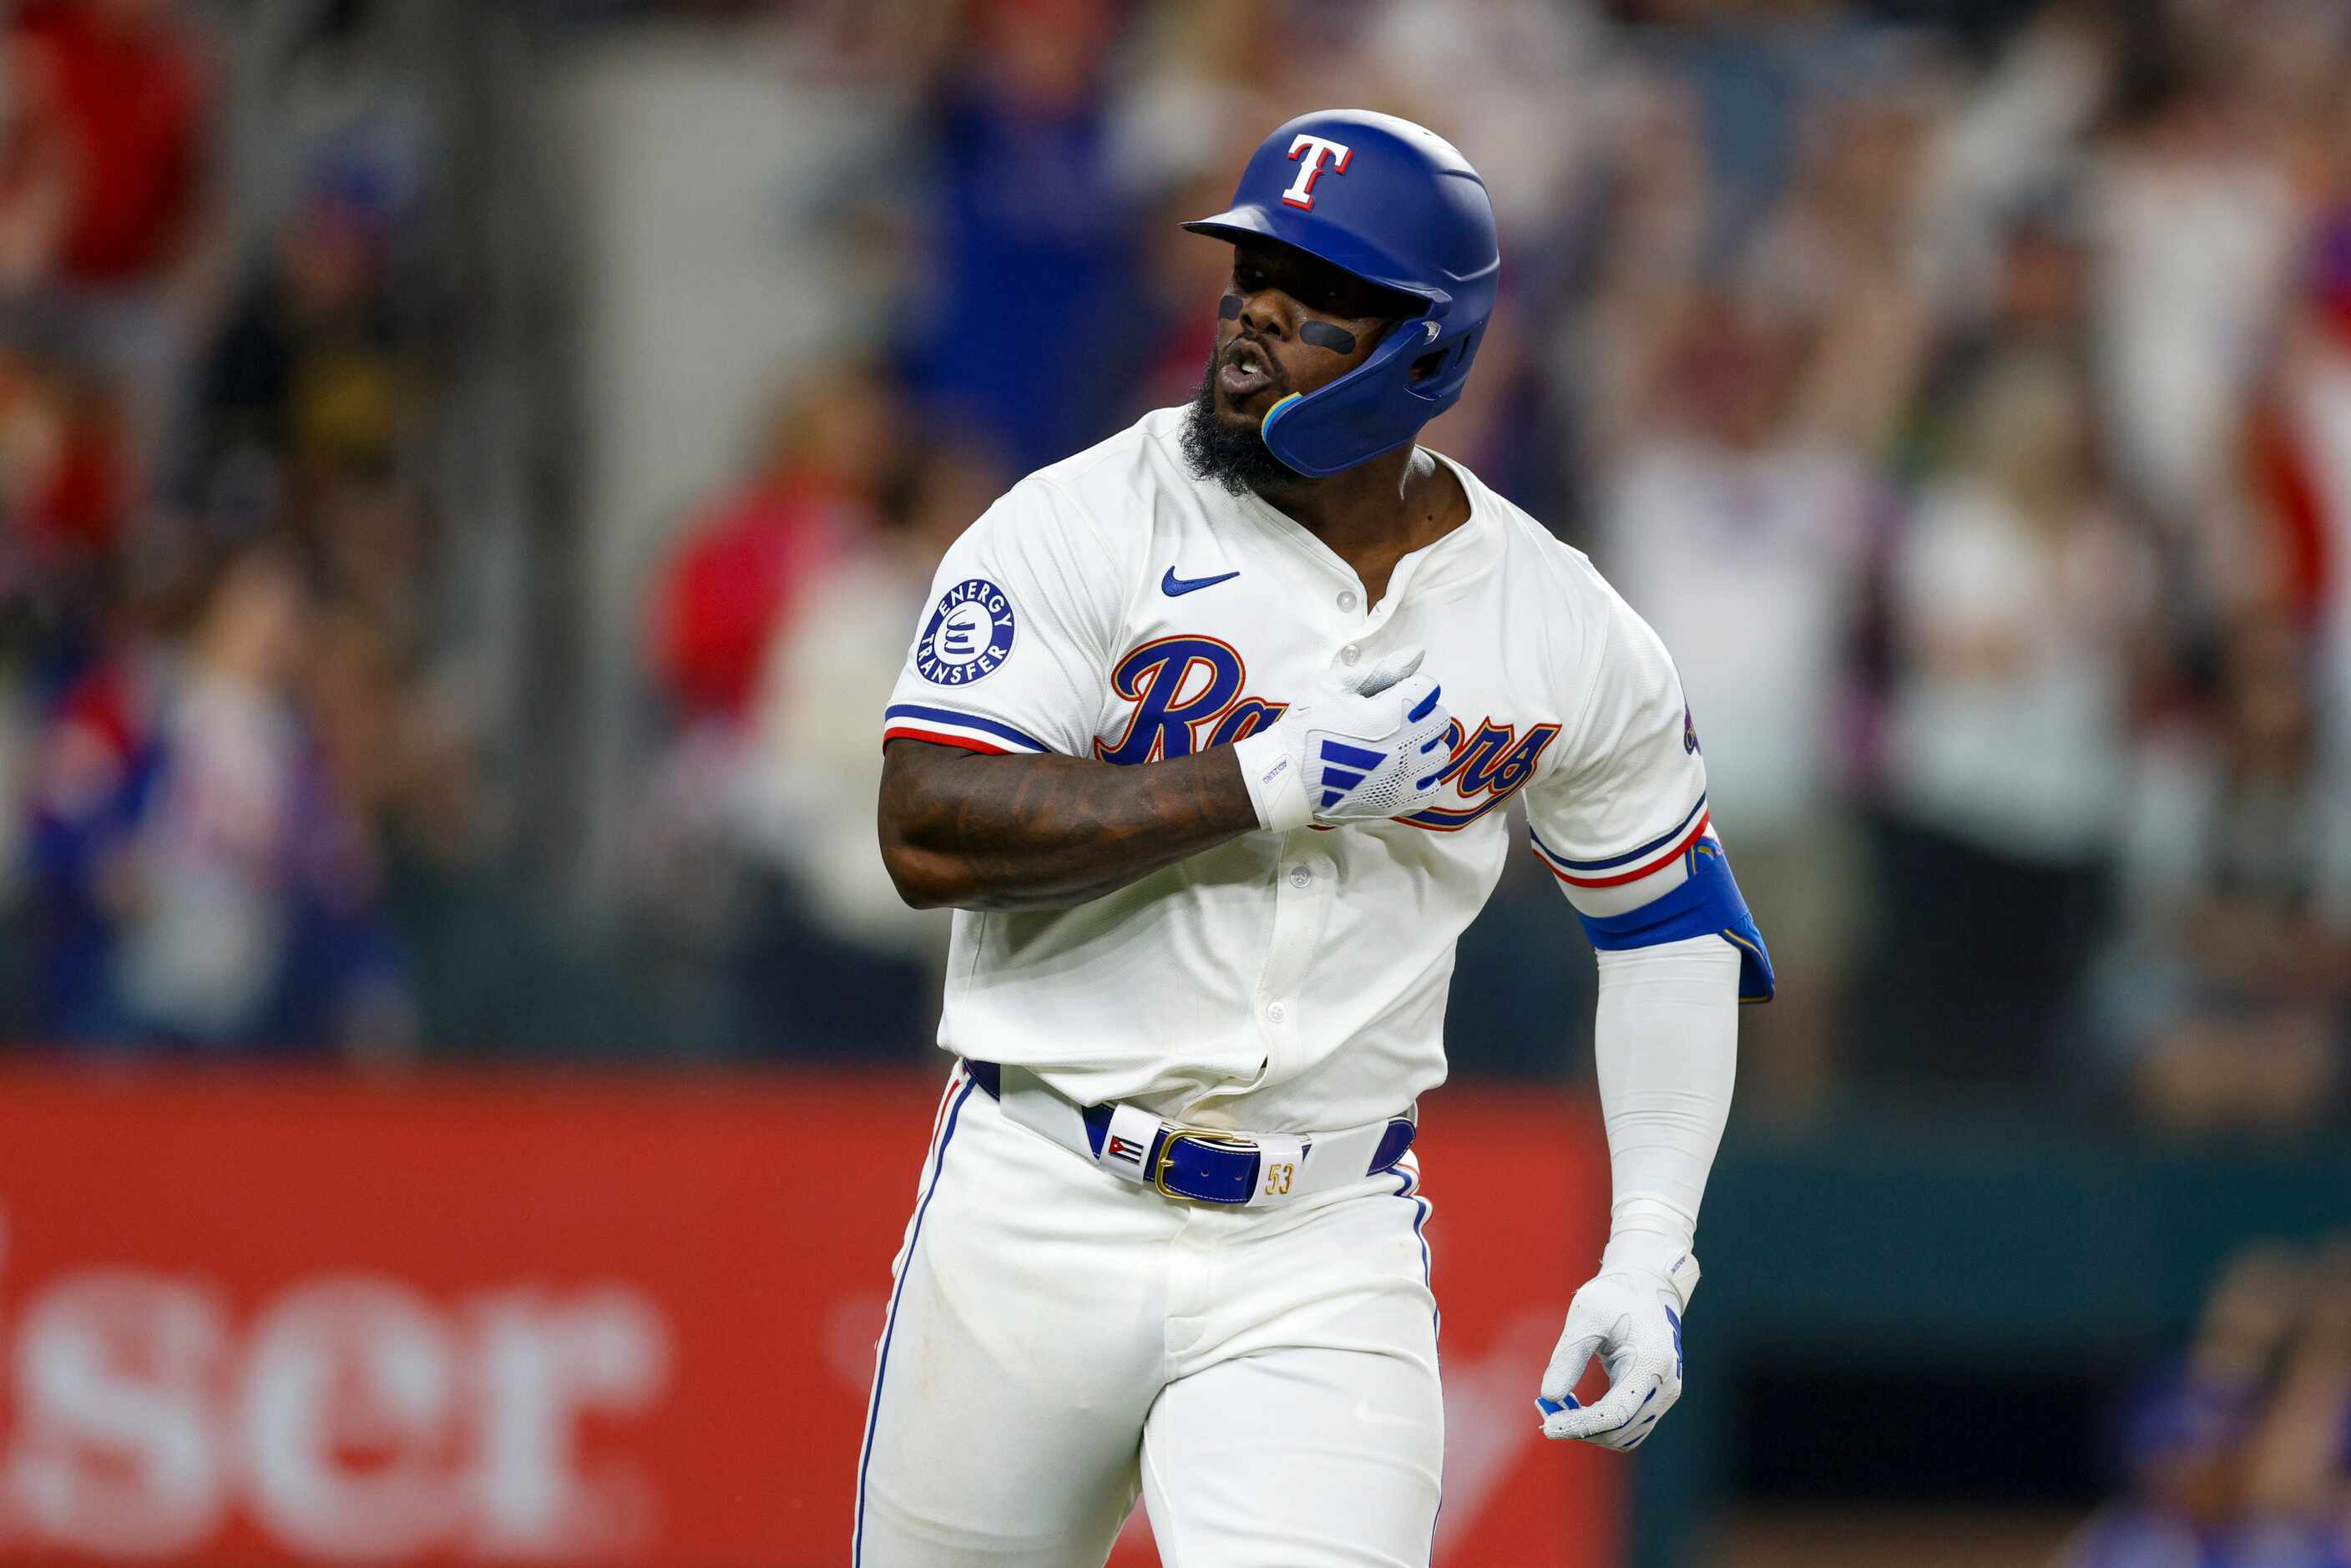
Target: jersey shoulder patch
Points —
{"points": [[969, 635]]}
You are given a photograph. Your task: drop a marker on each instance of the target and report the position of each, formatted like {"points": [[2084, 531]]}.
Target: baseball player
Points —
{"points": [[1208, 738]]}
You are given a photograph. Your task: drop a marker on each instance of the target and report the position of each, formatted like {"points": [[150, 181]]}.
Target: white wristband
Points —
{"points": [[1645, 1251], [1642, 1252], [1275, 788]]}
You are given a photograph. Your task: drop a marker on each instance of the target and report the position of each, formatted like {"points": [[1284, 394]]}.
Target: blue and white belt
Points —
{"points": [[1198, 1164]]}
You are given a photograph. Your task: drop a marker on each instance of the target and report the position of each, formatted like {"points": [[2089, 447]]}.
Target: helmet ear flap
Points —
{"points": [[1373, 408], [1440, 372]]}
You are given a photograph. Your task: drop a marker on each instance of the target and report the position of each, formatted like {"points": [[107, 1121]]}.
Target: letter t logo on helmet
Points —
{"points": [[1310, 168], [1412, 217]]}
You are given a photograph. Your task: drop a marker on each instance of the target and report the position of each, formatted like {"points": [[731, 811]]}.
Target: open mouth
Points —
{"points": [[1245, 371]]}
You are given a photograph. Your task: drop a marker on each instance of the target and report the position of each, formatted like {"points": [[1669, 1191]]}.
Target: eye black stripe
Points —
{"points": [[1323, 335]]}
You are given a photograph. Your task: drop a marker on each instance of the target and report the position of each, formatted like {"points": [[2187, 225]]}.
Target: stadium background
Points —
{"points": [[468, 472]]}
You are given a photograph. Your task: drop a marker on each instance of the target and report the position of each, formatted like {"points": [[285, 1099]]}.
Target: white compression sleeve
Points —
{"points": [[1666, 1044]]}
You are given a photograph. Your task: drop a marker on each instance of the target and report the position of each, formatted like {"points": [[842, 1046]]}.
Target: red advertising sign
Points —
{"points": [[294, 1318]]}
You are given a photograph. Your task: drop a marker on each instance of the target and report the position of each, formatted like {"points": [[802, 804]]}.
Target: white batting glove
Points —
{"points": [[1358, 748], [1630, 1315]]}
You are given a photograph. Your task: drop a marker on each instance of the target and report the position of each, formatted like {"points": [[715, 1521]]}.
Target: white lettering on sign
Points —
{"points": [[116, 1449], [352, 1417], [545, 1364], [352, 1366]]}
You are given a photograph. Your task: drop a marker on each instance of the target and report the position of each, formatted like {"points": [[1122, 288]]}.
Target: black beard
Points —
{"points": [[1237, 459]]}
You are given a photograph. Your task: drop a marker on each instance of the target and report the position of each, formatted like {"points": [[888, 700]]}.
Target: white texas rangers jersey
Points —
{"points": [[1114, 606]]}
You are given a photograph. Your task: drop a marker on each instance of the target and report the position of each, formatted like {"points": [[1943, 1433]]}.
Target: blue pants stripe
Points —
{"points": [[890, 1325]]}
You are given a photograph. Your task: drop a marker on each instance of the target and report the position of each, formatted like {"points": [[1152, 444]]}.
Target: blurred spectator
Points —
{"points": [[2018, 602], [1024, 326], [114, 136], [2301, 452], [1201, 83], [1529, 124], [2195, 246], [2034, 295], [833, 444], [373, 537], [833, 939], [36, 169], [312, 369], [486, 972], [200, 879], [809, 787], [2238, 1458], [2017, 136], [828, 449], [66, 488], [2226, 997], [1737, 522], [138, 178], [1756, 72]]}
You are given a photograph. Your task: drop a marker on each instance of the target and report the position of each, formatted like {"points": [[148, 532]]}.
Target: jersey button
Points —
{"points": [[1347, 598], [1300, 877], [1350, 654], [1273, 1011]]}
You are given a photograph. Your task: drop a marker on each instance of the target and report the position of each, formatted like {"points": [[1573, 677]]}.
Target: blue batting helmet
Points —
{"points": [[1396, 205]]}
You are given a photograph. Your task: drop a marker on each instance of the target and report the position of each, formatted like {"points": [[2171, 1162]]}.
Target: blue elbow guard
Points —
{"points": [[1706, 905]]}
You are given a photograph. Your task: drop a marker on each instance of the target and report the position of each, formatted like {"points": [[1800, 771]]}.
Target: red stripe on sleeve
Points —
{"points": [[914, 732], [1639, 872]]}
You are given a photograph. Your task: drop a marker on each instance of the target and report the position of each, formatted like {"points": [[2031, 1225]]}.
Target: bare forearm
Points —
{"points": [[1046, 832]]}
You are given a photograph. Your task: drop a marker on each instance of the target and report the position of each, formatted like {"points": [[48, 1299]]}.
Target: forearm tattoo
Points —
{"points": [[1046, 832]]}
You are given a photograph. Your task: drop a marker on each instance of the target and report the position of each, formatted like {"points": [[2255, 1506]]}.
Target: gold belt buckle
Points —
{"points": [[1199, 1136]]}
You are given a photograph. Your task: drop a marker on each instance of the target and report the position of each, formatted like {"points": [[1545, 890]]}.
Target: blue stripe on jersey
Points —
{"points": [[1652, 847]]}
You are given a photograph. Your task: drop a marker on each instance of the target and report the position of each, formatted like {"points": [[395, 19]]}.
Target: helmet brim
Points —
{"points": [[1248, 221]]}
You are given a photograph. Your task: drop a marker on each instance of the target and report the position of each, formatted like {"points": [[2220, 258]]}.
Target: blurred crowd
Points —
{"points": [[184, 854], [1962, 389], [2238, 1455], [230, 767]]}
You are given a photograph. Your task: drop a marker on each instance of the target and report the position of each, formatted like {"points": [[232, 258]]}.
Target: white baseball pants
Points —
{"points": [[1060, 1342]]}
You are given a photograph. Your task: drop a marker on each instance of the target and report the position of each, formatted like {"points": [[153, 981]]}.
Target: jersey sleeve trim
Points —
{"points": [[1633, 864], [945, 726], [1707, 904]]}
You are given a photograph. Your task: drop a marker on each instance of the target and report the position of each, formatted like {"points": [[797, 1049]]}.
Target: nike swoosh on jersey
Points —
{"points": [[1174, 586]]}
